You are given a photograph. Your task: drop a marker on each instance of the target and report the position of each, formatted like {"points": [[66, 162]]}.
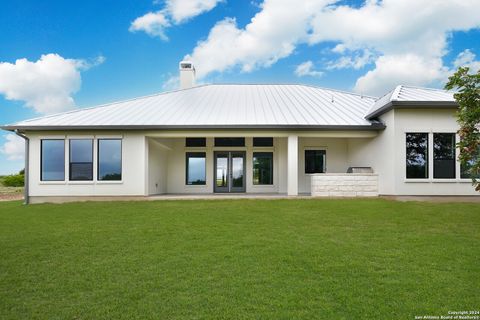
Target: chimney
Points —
{"points": [[187, 74]]}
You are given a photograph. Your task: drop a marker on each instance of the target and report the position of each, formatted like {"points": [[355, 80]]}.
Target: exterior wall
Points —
{"points": [[345, 185], [157, 166], [336, 158], [133, 168], [431, 121]]}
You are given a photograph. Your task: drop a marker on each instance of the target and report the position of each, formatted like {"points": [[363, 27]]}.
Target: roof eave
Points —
{"points": [[409, 104], [373, 126]]}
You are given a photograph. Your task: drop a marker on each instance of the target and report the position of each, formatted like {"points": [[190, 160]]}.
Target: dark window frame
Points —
{"points": [[437, 174], [41, 159], [262, 142], [323, 152], [192, 142], [98, 158], [70, 159], [229, 142], [427, 156], [271, 169], [192, 154]]}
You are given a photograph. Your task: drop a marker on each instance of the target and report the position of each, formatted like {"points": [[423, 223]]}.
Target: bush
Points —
{"points": [[14, 180]]}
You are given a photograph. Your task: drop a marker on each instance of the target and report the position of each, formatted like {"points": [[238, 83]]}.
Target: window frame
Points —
{"points": [[203, 145], [429, 146], [260, 145], [271, 169], [453, 134], [323, 150], [98, 161], [217, 139], [70, 162], [187, 156], [42, 180]]}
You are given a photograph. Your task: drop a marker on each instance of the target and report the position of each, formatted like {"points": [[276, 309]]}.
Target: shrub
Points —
{"points": [[14, 180]]}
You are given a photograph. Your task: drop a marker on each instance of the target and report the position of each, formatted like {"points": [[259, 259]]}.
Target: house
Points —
{"points": [[229, 138]]}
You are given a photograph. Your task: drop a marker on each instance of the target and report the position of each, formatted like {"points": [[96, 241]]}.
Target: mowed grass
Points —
{"points": [[238, 259]]}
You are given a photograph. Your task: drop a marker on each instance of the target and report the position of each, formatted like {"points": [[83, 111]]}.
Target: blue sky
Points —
{"points": [[102, 51]]}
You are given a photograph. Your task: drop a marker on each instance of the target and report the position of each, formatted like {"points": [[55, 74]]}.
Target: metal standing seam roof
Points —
{"points": [[408, 96], [220, 106]]}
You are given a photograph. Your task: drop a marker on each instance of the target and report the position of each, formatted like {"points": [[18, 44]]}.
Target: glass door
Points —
{"points": [[229, 171]]}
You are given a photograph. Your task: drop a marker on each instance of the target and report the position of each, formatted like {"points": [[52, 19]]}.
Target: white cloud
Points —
{"points": [[172, 83], [411, 30], [153, 23], [272, 34], [14, 147], [46, 85], [174, 12], [467, 58], [392, 70], [307, 69]]}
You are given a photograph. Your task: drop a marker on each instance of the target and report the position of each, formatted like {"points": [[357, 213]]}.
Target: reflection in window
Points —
{"points": [[444, 155], [263, 142], [195, 168], [109, 159], [315, 161], [81, 159], [52, 160], [417, 155], [262, 168], [465, 169]]}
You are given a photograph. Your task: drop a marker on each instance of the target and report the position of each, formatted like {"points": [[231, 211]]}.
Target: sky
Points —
{"points": [[56, 56]]}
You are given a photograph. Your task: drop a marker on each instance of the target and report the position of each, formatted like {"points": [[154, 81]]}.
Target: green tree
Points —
{"points": [[467, 86]]}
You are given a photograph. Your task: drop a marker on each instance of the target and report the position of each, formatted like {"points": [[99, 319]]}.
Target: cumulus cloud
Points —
{"points": [[174, 12], [46, 85], [376, 33], [14, 147], [467, 58], [307, 69]]}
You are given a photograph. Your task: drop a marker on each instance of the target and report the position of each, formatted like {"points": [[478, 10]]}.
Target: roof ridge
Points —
{"points": [[424, 88]]}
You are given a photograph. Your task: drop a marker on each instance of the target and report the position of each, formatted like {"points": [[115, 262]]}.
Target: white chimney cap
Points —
{"points": [[186, 65]]}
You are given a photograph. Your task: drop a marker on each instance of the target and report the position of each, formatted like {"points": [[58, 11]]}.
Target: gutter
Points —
{"points": [[27, 162], [411, 105]]}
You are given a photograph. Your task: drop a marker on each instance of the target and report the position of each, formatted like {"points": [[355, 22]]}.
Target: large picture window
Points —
{"points": [[81, 159], [52, 160], [417, 155], [195, 162], [110, 159], [444, 155], [315, 161], [262, 168]]}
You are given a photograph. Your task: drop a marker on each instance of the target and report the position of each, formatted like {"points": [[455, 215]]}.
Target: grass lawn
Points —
{"points": [[238, 259]]}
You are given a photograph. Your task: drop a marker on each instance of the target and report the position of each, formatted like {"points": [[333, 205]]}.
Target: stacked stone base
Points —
{"points": [[344, 185]]}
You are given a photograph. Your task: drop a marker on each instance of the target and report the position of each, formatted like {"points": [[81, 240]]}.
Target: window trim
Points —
{"points": [[98, 161], [230, 146], [80, 181], [269, 146], [271, 169], [62, 181], [202, 146], [187, 155], [454, 156], [429, 156]]}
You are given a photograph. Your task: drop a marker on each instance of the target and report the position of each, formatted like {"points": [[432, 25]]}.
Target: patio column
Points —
{"points": [[292, 166]]}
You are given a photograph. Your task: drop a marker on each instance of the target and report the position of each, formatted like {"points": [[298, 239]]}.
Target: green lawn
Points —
{"points": [[238, 259]]}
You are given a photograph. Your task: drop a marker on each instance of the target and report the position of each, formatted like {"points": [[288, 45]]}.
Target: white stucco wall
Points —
{"points": [[157, 177], [133, 168]]}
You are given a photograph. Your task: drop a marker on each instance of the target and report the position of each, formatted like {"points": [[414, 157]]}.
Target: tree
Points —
{"points": [[467, 96]]}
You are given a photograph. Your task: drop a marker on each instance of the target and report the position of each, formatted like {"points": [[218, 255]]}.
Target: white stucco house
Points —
{"points": [[260, 139]]}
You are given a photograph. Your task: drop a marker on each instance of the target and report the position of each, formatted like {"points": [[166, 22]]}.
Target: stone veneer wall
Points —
{"points": [[344, 185]]}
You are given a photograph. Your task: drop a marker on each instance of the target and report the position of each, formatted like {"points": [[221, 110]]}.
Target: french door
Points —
{"points": [[229, 171]]}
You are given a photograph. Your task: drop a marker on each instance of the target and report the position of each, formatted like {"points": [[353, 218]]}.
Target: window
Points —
{"points": [[262, 168], [195, 142], [229, 142], [109, 159], [444, 155], [195, 168], [417, 155], [81, 159], [52, 160], [315, 161], [263, 142]]}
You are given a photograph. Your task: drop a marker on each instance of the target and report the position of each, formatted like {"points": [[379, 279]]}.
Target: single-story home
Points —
{"points": [[238, 138]]}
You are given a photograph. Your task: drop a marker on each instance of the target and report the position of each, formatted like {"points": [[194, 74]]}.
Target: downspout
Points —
{"points": [[27, 162]]}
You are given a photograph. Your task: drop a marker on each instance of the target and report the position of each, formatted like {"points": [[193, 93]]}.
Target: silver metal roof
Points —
{"points": [[220, 106], [409, 96]]}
